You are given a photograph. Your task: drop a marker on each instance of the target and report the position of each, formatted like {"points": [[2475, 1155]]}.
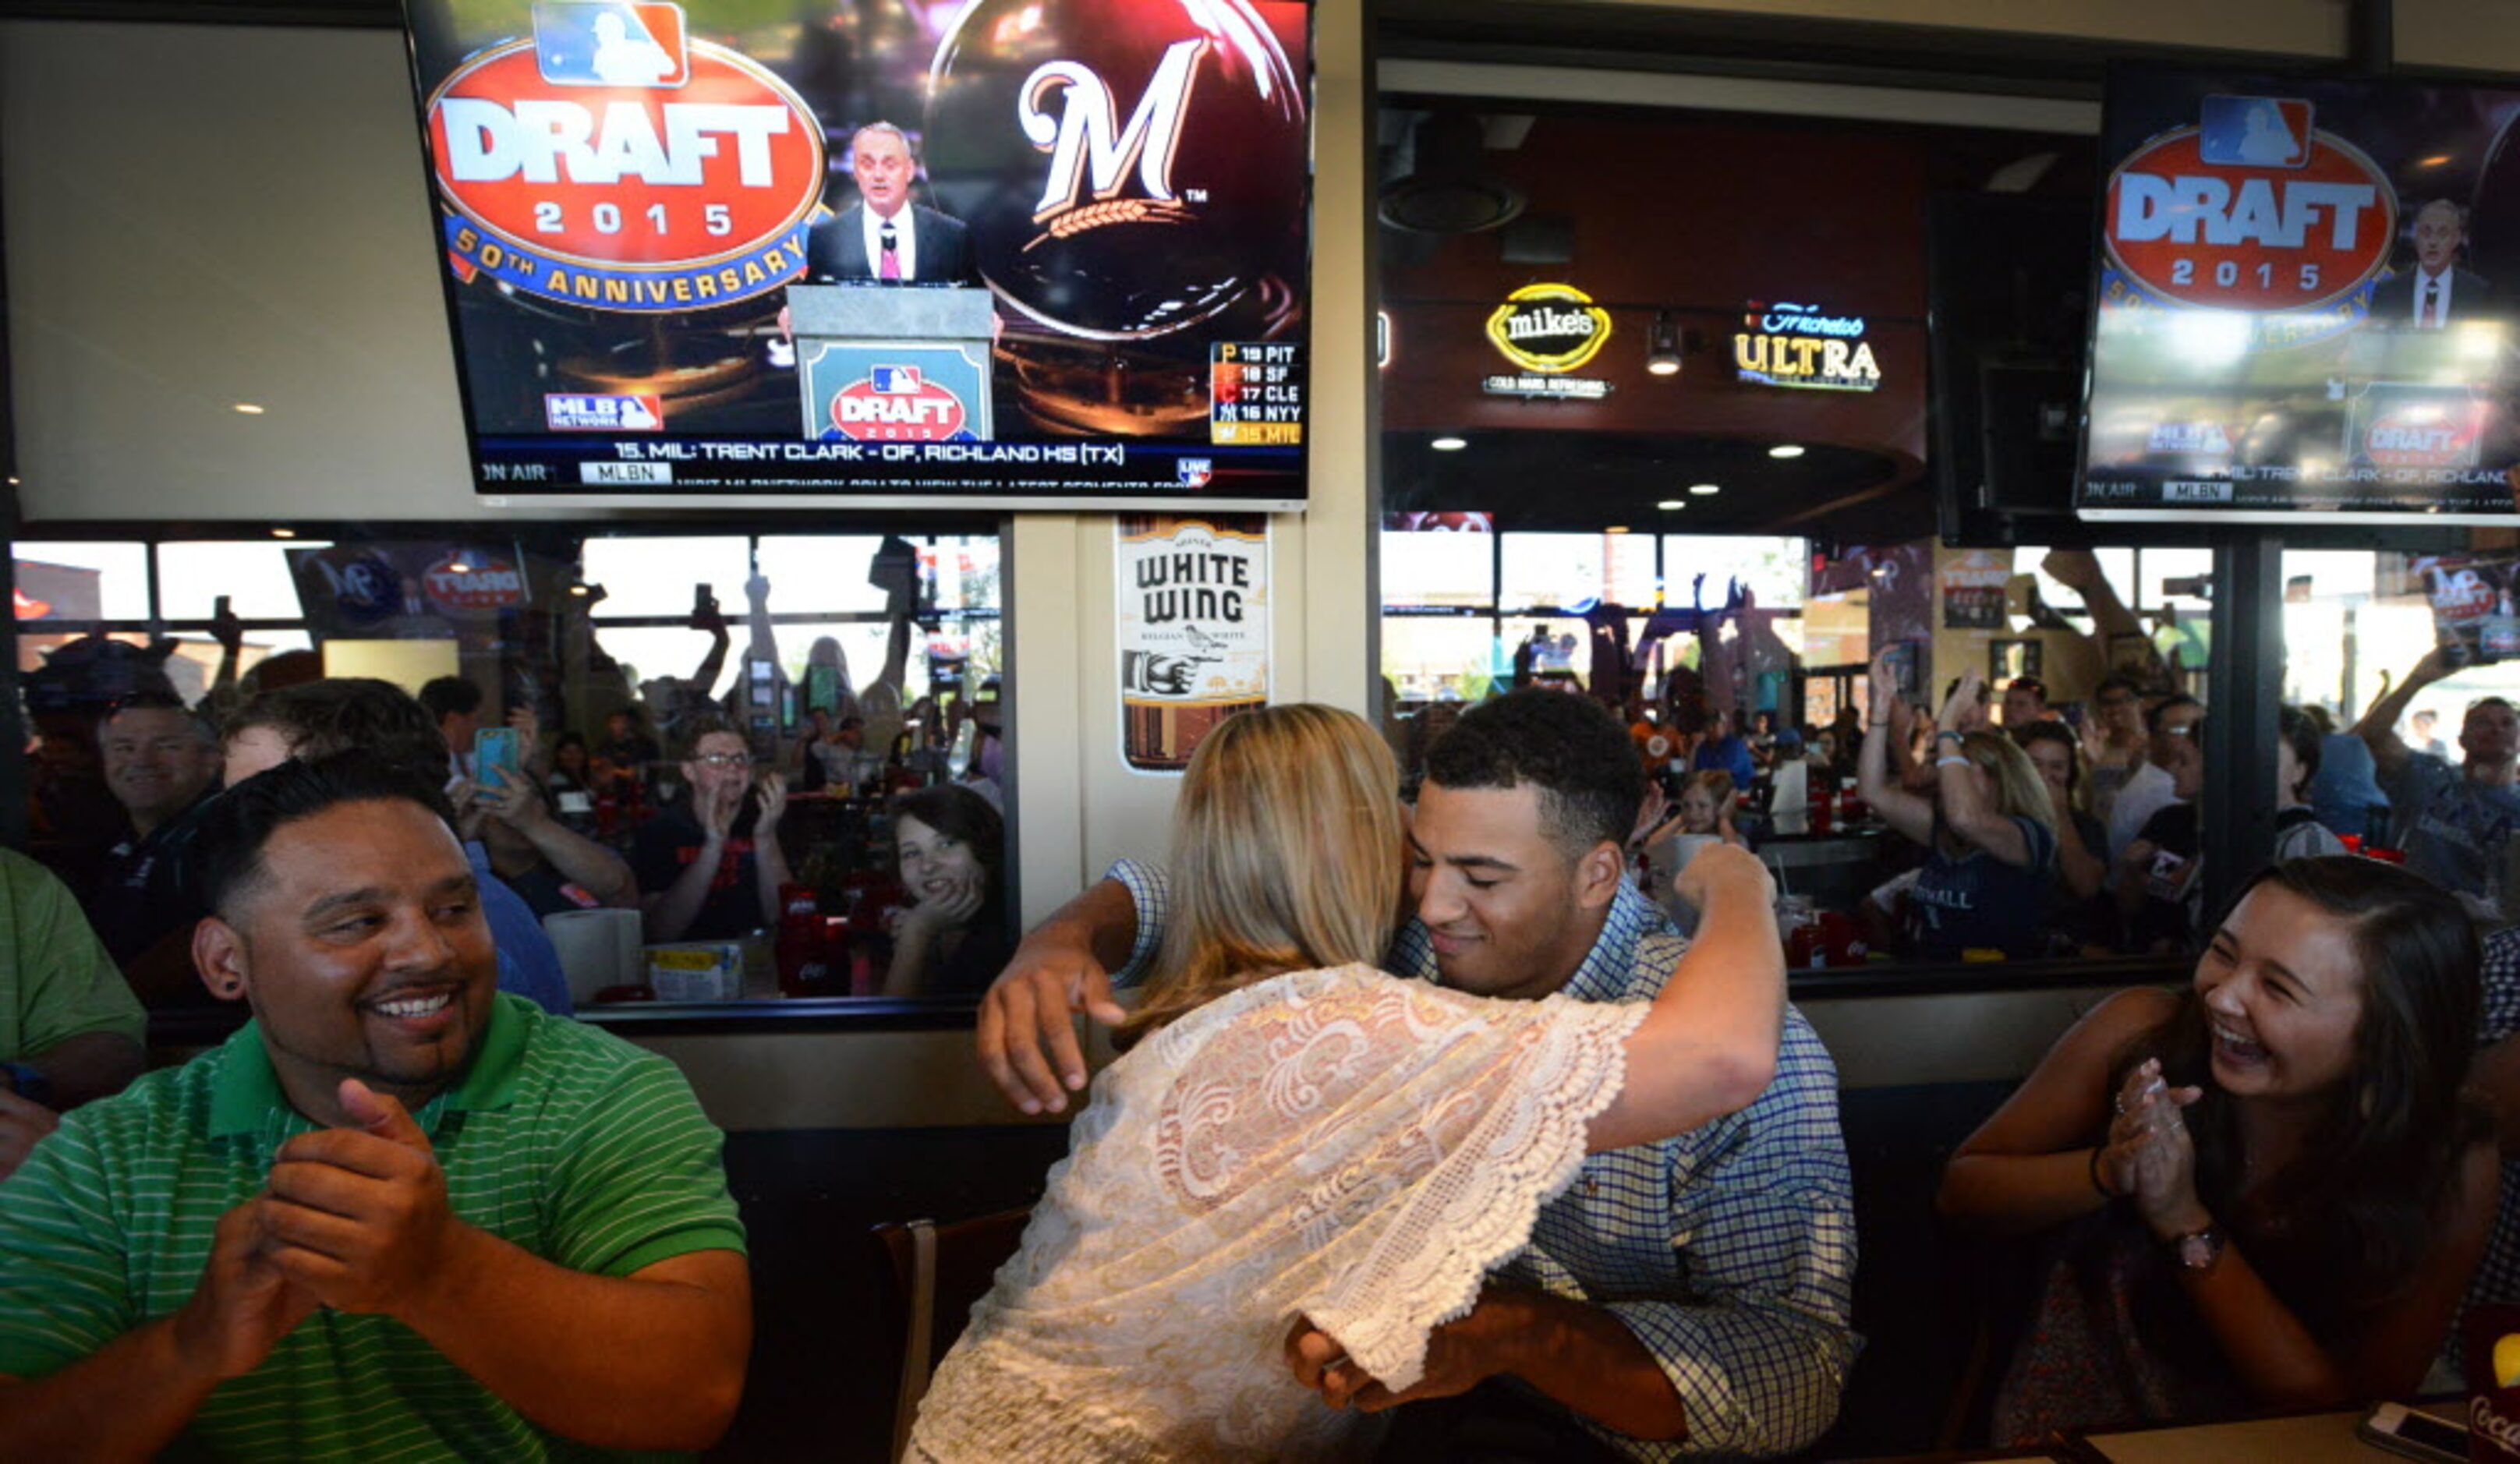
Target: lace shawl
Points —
{"points": [[1342, 1146]]}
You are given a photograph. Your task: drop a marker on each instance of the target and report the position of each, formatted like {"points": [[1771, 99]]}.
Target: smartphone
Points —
{"points": [[967, 740], [1903, 664], [703, 599], [823, 688], [219, 607], [764, 677], [2418, 1436], [495, 757]]}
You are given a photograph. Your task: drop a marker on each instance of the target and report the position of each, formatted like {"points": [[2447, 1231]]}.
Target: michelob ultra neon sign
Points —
{"points": [[1786, 344]]}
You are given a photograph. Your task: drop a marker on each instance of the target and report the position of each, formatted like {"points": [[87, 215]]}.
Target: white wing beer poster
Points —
{"points": [[1194, 630]]}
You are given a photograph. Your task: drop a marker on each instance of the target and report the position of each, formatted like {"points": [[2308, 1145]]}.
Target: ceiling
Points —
{"points": [[1541, 480]]}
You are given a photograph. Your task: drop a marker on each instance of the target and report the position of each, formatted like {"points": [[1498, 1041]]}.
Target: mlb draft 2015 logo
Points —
{"points": [[898, 404], [2252, 208], [612, 163]]}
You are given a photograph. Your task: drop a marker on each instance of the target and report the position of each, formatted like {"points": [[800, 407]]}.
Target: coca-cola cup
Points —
{"points": [[2493, 1337]]}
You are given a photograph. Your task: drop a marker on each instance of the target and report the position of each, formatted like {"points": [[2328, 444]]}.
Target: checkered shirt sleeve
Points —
{"points": [[1728, 1250], [1150, 891]]}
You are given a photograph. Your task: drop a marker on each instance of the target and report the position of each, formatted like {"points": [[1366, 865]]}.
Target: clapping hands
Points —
{"points": [[2150, 1157]]}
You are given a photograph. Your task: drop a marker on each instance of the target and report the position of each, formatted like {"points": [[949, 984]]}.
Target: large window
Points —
{"points": [[851, 666], [1745, 658]]}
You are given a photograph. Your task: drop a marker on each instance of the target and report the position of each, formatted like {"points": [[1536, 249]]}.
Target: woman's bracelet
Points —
{"points": [[1950, 760], [2096, 1182], [1947, 733]]}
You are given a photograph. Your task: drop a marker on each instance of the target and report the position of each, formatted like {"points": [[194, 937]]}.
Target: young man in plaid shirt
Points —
{"points": [[1685, 1297]]}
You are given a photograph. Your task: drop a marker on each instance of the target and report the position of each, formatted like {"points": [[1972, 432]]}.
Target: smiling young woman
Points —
{"points": [[2266, 1191]]}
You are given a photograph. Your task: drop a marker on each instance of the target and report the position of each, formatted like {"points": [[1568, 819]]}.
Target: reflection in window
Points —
{"points": [[853, 666], [1760, 704], [2357, 624], [1438, 569], [82, 580]]}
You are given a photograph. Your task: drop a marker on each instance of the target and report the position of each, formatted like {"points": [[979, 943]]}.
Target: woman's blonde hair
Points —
{"points": [[2020, 792], [1286, 856]]}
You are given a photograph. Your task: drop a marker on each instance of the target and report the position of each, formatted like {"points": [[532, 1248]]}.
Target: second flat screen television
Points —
{"points": [[2308, 302], [1011, 253]]}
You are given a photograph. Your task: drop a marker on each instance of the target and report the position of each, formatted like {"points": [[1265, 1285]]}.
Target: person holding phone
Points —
{"points": [[2160, 885], [2265, 1192], [709, 866], [1989, 831], [2114, 740]]}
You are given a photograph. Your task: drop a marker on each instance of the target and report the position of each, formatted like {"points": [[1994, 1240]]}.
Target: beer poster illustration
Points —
{"points": [[2308, 301], [1193, 614], [1002, 253]]}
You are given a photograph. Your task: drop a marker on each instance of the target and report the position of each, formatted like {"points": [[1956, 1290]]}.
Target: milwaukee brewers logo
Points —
{"points": [[610, 163], [1129, 168], [1086, 142]]}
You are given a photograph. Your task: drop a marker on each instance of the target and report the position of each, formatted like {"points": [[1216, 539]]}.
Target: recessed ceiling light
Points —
{"points": [[1669, 503], [248, 409], [283, 533], [1785, 450], [1616, 528], [1449, 444], [1703, 489]]}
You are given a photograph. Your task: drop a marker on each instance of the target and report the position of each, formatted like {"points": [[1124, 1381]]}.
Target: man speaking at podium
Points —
{"points": [[884, 238]]}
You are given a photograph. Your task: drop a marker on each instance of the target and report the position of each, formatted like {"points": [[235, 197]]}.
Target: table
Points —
{"points": [[2296, 1439]]}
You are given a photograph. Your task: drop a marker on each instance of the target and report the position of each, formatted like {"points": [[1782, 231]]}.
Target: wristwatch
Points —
{"points": [[2198, 1250]]}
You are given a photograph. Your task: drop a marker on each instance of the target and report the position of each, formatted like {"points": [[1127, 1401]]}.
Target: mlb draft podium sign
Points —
{"points": [[895, 363]]}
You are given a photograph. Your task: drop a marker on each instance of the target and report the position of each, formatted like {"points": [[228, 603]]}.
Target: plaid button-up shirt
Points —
{"points": [[1728, 1250]]}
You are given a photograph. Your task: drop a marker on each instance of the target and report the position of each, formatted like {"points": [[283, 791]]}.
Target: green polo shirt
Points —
{"points": [[56, 981], [566, 1141]]}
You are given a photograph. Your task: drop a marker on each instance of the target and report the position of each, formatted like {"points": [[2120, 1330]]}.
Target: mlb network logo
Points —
{"points": [[1194, 472], [894, 380], [581, 411], [2254, 132], [611, 43]]}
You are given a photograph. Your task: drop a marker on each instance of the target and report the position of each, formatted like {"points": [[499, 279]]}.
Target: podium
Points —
{"points": [[894, 363]]}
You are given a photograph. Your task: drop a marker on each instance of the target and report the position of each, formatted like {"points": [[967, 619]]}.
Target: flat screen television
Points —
{"points": [[996, 253], [2307, 303]]}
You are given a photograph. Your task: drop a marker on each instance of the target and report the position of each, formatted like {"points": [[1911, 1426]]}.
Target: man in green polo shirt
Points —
{"points": [[398, 1216], [69, 1028]]}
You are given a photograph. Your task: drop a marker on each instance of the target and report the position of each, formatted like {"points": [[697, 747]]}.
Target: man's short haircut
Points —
{"points": [[236, 824], [158, 701], [322, 718], [2457, 212], [908, 149], [1570, 748], [2032, 684], [2169, 704], [688, 734], [450, 696], [2117, 680]]}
